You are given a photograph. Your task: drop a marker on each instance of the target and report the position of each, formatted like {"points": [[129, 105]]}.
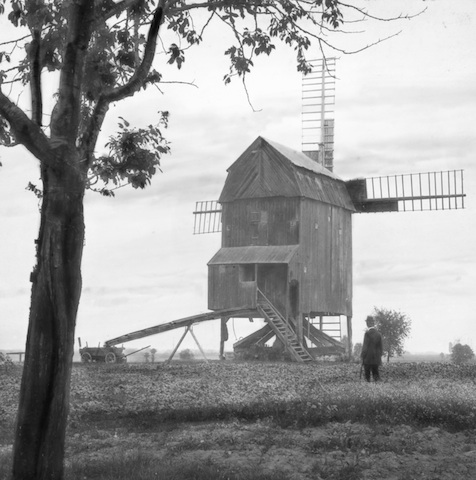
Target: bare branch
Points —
{"points": [[18, 40], [366, 14]]}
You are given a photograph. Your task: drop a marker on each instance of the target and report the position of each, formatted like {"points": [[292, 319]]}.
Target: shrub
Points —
{"points": [[461, 354], [186, 354]]}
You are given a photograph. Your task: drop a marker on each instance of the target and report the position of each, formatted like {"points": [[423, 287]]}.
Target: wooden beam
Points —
{"points": [[198, 344], [223, 336], [178, 345], [349, 335], [183, 322]]}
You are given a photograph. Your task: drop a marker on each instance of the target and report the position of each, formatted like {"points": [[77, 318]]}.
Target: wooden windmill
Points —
{"points": [[286, 223]]}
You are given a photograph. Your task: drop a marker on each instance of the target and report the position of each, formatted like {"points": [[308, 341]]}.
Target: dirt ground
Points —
{"points": [[333, 451]]}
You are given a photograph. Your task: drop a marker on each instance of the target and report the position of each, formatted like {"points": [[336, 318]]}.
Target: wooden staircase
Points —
{"points": [[283, 330]]}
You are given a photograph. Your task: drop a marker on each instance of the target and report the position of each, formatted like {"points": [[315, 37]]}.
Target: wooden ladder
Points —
{"points": [[283, 330]]}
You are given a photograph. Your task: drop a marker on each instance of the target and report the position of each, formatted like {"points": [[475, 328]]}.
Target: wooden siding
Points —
{"points": [[274, 196], [326, 255], [272, 281], [278, 222], [226, 290]]}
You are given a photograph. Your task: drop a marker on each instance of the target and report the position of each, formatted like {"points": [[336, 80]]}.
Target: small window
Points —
{"points": [[247, 273], [254, 233], [255, 217]]}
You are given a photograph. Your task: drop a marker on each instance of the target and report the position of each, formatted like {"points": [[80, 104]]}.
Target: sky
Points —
{"points": [[405, 105]]}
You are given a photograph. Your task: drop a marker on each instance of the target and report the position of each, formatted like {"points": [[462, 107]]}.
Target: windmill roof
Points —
{"points": [[254, 254], [300, 159], [269, 169]]}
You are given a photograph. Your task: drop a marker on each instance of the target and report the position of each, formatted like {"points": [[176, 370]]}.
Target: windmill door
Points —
{"points": [[272, 282]]}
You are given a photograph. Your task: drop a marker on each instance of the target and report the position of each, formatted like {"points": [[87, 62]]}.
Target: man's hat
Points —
{"points": [[370, 320]]}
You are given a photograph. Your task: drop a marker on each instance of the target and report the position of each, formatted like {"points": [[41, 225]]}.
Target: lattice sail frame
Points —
{"points": [[318, 107], [207, 217], [443, 190]]}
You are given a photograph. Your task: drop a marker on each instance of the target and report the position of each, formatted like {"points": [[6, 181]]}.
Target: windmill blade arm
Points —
{"points": [[409, 192], [207, 217]]}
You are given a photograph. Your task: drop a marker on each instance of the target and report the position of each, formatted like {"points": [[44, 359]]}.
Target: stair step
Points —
{"points": [[284, 330]]}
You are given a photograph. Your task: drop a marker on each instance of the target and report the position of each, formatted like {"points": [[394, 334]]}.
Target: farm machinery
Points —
{"points": [[111, 353], [105, 354]]}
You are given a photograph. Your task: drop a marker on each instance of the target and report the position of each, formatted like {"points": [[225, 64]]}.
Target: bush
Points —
{"points": [[461, 354], [186, 354]]}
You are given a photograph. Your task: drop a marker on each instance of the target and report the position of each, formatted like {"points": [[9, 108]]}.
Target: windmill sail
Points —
{"points": [[318, 99], [207, 217], [409, 192]]}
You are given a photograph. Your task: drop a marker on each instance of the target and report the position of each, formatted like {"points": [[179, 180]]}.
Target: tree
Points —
{"points": [[394, 327], [357, 351], [186, 354], [146, 357], [461, 353], [153, 351], [101, 52]]}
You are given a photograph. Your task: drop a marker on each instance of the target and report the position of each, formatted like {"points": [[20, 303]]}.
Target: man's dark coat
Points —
{"points": [[372, 347]]}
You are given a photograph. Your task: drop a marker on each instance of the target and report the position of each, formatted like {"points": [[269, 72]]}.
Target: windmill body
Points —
{"points": [[286, 241], [286, 250]]}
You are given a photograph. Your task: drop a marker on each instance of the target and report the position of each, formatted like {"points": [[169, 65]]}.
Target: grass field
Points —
{"points": [[227, 420]]}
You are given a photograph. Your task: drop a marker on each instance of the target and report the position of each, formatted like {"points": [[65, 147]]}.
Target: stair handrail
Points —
{"points": [[275, 310], [287, 338], [280, 316]]}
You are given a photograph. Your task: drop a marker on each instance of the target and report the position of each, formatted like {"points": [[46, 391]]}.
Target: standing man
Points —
{"points": [[372, 350]]}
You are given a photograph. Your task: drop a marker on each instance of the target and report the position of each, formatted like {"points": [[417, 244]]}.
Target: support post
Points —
{"points": [[198, 344], [178, 345], [349, 335], [223, 337]]}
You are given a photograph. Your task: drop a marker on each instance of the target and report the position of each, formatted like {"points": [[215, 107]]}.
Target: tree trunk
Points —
{"points": [[44, 394]]}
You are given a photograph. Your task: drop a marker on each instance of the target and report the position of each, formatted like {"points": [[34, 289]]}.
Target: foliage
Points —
{"points": [[120, 44], [461, 353], [134, 156], [186, 354], [5, 361], [438, 394], [140, 465], [394, 327], [357, 351]]}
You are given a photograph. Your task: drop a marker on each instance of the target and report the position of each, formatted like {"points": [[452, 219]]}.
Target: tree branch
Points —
{"points": [[140, 75], [133, 85], [366, 14], [66, 115], [25, 130], [35, 78], [219, 4]]}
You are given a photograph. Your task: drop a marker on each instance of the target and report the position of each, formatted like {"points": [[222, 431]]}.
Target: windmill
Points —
{"points": [[285, 219]]}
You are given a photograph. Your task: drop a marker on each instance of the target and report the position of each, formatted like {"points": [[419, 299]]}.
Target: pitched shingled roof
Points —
{"points": [[269, 169]]}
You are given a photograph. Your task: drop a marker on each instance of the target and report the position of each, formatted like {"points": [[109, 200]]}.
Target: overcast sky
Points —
{"points": [[406, 105]]}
